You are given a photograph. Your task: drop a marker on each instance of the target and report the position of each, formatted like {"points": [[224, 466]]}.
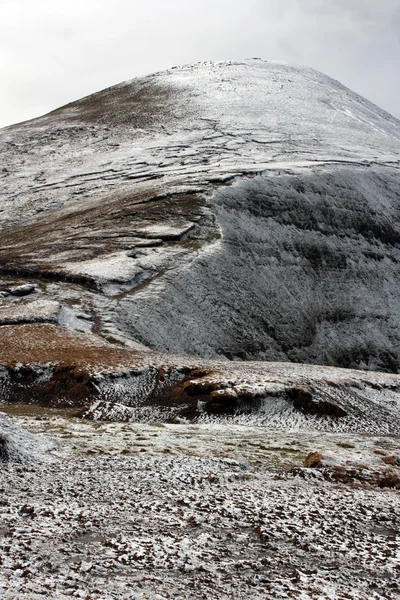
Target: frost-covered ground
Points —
{"points": [[51, 366], [19, 446], [239, 209], [157, 511]]}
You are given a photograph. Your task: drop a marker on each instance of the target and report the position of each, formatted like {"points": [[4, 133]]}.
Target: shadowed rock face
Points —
{"points": [[245, 210]]}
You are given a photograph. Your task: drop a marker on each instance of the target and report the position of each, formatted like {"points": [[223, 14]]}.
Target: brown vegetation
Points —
{"points": [[304, 399], [109, 224], [313, 460]]}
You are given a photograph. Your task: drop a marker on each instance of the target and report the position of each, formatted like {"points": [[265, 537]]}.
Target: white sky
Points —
{"points": [[56, 51]]}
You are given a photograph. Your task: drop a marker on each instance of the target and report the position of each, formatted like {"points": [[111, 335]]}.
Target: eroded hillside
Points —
{"points": [[187, 261], [248, 210]]}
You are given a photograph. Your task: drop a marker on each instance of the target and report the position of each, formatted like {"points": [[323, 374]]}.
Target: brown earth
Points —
{"points": [[54, 366]]}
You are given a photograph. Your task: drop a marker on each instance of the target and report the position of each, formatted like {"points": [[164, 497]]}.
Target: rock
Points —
{"points": [[38, 311], [309, 402], [392, 460], [149, 243], [20, 446], [27, 510], [23, 290], [313, 460]]}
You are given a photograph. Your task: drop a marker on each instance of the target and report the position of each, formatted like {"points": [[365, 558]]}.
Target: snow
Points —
{"points": [[77, 321], [22, 290], [110, 382], [340, 400], [37, 311], [302, 273], [122, 272], [185, 511], [298, 174], [235, 210], [236, 116], [19, 446], [166, 231]]}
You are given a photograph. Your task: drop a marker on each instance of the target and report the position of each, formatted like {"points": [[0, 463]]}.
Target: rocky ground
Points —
{"points": [[129, 511]]}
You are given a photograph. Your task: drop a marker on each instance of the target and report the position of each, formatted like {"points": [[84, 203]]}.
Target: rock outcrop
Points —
{"points": [[49, 366], [20, 446]]}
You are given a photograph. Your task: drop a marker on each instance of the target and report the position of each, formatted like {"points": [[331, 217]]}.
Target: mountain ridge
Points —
{"points": [[200, 65], [149, 191]]}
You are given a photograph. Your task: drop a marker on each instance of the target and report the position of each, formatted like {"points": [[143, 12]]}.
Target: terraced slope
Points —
{"points": [[50, 366]]}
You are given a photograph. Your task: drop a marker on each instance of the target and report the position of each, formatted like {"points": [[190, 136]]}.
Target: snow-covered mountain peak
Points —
{"points": [[251, 193], [299, 106], [180, 253]]}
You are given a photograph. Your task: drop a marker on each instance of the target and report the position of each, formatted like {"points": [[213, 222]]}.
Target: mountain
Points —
{"points": [[173, 252], [240, 210]]}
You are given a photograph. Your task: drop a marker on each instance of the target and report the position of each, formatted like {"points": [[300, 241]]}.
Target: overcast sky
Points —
{"points": [[56, 51]]}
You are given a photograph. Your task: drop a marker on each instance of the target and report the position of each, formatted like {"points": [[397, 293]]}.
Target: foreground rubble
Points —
{"points": [[135, 511]]}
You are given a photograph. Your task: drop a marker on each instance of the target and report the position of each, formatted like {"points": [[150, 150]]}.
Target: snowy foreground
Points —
{"points": [[122, 511]]}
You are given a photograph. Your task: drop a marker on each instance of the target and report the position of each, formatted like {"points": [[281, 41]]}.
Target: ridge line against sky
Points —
{"points": [[55, 53]]}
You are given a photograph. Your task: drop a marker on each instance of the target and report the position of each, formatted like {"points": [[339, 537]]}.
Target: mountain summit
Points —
{"points": [[247, 210]]}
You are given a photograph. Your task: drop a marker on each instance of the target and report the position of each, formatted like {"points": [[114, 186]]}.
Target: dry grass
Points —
{"points": [[101, 226], [40, 344], [140, 104]]}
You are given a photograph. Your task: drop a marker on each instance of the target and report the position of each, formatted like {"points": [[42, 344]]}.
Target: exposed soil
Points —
{"points": [[54, 366]]}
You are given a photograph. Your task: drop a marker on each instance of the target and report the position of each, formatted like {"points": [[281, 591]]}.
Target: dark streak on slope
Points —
{"points": [[141, 104]]}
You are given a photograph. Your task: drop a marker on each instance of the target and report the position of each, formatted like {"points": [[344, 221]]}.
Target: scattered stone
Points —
{"points": [[391, 460], [173, 525], [27, 510], [313, 460], [23, 290]]}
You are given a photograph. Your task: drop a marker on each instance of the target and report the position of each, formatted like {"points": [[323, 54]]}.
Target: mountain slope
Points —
{"points": [[245, 211], [248, 210]]}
